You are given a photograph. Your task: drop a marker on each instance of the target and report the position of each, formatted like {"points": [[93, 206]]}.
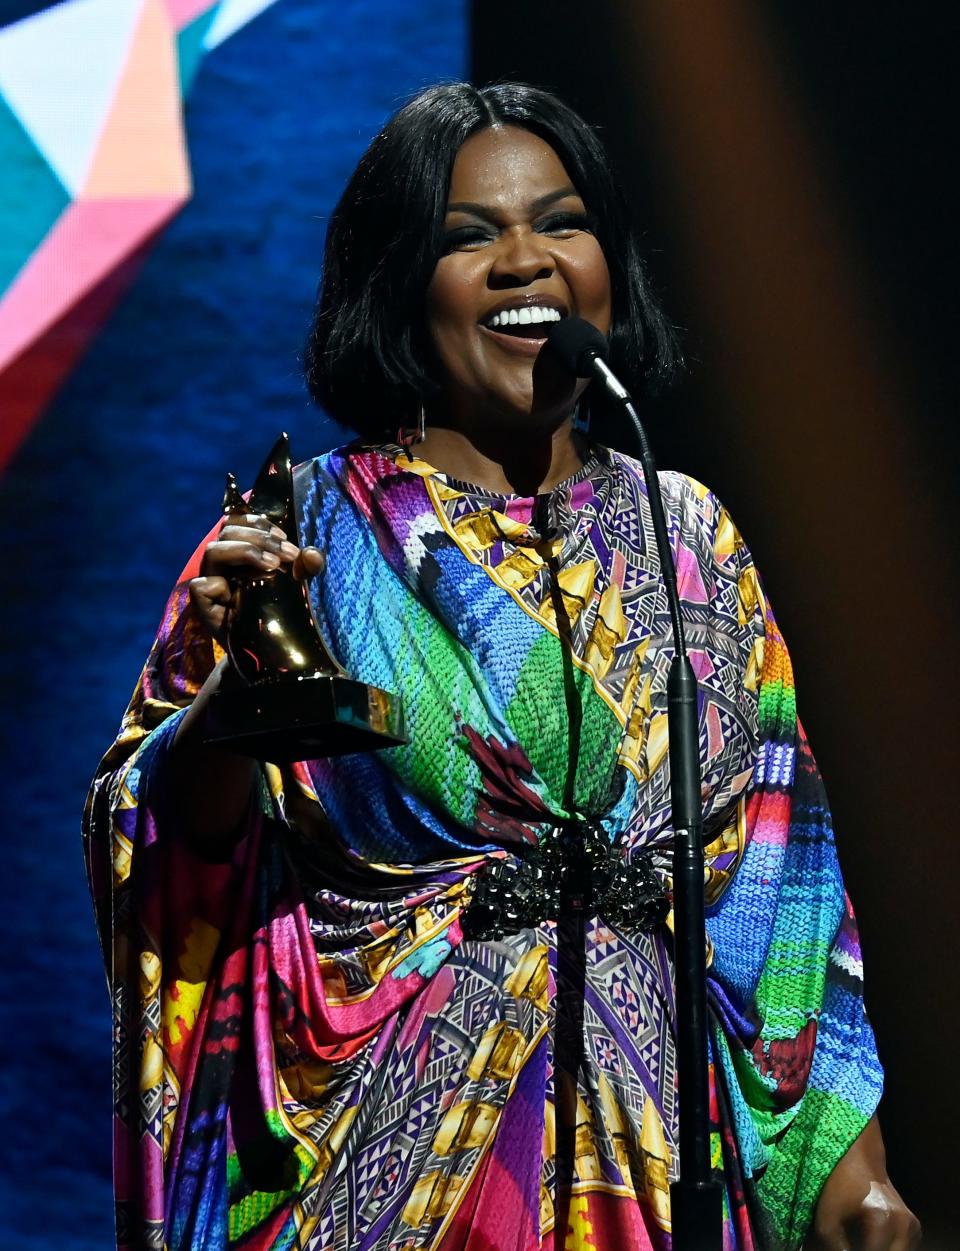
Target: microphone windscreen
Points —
{"points": [[575, 342]]}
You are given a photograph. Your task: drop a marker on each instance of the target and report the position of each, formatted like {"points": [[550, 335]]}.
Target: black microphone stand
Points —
{"points": [[696, 1198]]}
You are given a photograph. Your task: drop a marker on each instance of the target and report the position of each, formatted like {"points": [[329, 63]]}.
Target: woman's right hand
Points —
{"points": [[250, 544], [211, 787]]}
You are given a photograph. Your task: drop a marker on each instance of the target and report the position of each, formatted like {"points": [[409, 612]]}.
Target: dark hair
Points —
{"points": [[368, 356]]}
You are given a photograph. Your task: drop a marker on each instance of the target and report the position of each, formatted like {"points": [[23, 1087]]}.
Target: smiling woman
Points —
{"points": [[520, 249], [391, 1001], [444, 179]]}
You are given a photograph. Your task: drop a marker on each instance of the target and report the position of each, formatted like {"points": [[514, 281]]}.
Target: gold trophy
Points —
{"points": [[284, 696]]}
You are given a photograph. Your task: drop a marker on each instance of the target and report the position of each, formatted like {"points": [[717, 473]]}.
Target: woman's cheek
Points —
{"points": [[589, 281]]}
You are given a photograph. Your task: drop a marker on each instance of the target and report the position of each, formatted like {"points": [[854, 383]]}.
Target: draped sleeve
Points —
{"points": [[229, 1027], [797, 1073]]}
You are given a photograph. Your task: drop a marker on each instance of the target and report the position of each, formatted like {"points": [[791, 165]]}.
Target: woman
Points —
{"points": [[321, 1040]]}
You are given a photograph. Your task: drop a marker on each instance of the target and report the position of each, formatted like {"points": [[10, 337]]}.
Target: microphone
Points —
{"points": [[583, 351], [695, 1198], [577, 343]]}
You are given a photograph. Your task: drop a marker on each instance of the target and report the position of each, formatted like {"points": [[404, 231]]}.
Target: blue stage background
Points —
{"points": [[196, 372]]}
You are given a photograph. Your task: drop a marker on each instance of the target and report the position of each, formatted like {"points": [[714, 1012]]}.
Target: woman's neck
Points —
{"points": [[505, 466]]}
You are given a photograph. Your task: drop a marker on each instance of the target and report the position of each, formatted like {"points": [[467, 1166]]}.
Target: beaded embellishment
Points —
{"points": [[574, 868]]}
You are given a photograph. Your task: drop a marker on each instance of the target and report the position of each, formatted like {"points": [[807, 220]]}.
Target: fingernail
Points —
{"points": [[288, 550], [270, 558], [277, 532]]}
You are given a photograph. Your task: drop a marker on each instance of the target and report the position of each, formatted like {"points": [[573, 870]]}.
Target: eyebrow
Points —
{"points": [[535, 206]]}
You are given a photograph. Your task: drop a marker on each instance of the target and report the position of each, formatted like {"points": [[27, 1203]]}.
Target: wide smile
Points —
{"points": [[521, 329]]}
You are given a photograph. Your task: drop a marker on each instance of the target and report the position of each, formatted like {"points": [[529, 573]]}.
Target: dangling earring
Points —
{"points": [[407, 436]]}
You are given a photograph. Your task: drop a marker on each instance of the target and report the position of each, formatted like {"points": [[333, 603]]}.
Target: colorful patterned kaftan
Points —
{"points": [[309, 1053]]}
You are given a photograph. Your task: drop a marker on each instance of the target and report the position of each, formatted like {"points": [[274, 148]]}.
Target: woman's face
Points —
{"points": [[520, 253]]}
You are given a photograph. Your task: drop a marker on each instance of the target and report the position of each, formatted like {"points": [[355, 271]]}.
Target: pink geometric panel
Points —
{"points": [[29, 383], [88, 239], [183, 12]]}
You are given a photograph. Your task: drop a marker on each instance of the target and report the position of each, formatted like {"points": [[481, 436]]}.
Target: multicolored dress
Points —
{"points": [[310, 1051]]}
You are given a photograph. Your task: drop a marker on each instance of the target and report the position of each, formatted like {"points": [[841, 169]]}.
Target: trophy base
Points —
{"points": [[323, 714]]}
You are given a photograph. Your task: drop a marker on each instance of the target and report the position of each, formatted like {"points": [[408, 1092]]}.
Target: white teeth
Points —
{"points": [[531, 315]]}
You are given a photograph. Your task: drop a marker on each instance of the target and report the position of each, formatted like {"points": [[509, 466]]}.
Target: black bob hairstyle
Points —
{"points": [[368, 359]]}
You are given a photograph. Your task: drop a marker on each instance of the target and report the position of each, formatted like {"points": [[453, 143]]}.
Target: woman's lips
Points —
{"points": [[519, 345]]}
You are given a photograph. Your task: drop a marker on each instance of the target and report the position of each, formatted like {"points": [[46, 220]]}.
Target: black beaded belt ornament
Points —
{"points": [[574, 868]]}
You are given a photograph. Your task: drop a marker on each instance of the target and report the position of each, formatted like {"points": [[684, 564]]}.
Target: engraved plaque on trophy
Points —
{"points": [[284, 697]]}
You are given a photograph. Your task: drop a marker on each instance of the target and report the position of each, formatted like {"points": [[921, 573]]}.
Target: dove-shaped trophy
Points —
{"points": [[285, 697]]}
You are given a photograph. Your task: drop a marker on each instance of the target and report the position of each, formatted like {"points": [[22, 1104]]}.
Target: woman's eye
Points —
{"points": [[465, 237], [565, 223]]}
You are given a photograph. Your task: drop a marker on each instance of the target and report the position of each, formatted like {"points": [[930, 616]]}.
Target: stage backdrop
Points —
{"points": [[166, 171]]}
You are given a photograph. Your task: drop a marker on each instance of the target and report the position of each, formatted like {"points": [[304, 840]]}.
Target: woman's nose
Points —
{"points": [[521, 258]]}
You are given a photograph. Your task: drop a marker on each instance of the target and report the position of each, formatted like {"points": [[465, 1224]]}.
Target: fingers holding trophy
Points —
{"points": [[287, 697]]}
